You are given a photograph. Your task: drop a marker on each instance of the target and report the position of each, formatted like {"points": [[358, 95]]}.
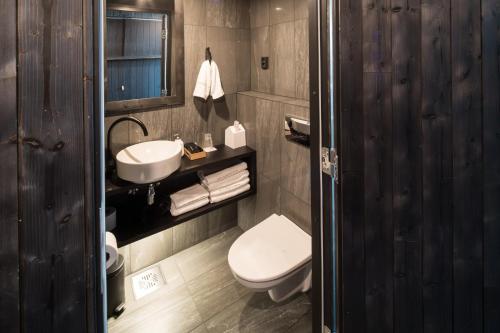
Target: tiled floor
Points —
{"points": [[201, 295]]}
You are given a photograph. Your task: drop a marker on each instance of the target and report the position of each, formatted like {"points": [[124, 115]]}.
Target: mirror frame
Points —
{"points": [[176, 10]]}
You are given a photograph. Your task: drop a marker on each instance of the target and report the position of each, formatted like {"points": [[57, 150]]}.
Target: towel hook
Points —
{"points": [[208, 55]]}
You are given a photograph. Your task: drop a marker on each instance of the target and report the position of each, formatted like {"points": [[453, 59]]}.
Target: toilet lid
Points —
{"points": [[270, 250]]}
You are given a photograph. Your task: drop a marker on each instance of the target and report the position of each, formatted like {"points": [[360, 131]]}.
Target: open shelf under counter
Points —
{"points": [[137, 220]]}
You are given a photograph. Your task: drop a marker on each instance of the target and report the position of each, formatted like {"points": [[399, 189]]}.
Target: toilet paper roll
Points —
{"points": [[111, 250]]}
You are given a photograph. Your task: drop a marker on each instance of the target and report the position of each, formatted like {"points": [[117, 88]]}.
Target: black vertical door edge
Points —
{"points": [[317, 270], [98, 18], [321, 214]]}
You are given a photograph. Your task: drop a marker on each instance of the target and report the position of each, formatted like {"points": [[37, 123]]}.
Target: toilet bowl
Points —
{"points": [[273, 256]]}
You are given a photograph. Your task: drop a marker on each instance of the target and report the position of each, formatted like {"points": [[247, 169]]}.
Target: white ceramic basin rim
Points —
{"points": [[148, 162]]}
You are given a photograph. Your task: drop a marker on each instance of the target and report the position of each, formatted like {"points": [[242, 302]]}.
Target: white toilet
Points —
{"points": [[273, 256]]}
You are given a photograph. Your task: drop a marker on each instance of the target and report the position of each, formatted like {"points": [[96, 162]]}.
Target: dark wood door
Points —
{"points": [[420, 223]]}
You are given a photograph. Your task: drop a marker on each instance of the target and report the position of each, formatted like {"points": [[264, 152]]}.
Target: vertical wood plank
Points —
{"points": [[491, 160], [52, 167], [377, 36], [407, 165], [467, 166], [92, 182], [437, 152], [377, 110], [351, 52], [379, 283], [9, 258]]}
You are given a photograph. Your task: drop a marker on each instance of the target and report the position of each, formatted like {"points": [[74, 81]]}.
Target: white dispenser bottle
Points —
{"points": [[235, 136]]}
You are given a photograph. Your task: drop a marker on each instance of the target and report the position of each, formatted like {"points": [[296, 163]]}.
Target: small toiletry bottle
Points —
{"points": [[180, 142], [235, 136]]}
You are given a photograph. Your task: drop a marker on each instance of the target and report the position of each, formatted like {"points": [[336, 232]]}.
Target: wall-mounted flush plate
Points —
{"points": [[264, 63]]}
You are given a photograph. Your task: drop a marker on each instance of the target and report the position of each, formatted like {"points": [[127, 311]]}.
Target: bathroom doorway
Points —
{"points": [[177, 277]]}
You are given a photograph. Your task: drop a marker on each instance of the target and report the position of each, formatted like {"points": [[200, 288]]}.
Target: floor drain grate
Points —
{"points": [[147, 282]]}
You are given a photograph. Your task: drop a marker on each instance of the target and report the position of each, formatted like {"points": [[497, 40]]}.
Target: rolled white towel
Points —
{"points": [[228, 181], [230, 188], [223, 174], [222, 197], [175, 211], [189, 195]]}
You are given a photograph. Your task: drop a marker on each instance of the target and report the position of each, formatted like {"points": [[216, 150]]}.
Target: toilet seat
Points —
{"points": [[270, 251]]}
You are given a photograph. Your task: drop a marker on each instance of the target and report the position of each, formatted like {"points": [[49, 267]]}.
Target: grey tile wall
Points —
{"points": [[282, 62], [280, 31], [224, 26], [283, 179], [295, 163], [302, 58], [260, 78], [155, 248]]}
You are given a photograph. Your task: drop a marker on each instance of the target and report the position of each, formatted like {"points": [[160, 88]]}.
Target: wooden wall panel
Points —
{"points": [[428, 240], [52, 165], [491, 160], [437, 166], [379, 283], [407, 214], [9, 259], [377, 111], [467, 166], [351, 51]]}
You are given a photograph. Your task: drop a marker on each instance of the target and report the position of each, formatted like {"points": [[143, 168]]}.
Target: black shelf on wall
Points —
{"points": [[137, 220]]}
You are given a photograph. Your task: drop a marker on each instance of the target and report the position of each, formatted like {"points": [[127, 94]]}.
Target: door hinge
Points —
{"points": [[164, 34], [330, 163]]}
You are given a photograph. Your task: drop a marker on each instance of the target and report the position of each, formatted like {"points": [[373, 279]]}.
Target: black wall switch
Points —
{"points": [[264, 63]]}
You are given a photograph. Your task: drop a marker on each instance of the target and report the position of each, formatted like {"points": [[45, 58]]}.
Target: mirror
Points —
{"points": [[144, 50]]}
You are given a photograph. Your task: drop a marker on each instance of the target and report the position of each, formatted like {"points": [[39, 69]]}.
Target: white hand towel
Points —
{"points": [[221, 175], [174, 211], [203, 83], [228, 181], [228, 195], [216, 85], [189, 195], [208, 82], [230, 188]]}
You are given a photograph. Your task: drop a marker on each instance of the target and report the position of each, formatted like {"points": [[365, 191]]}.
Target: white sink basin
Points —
{"points": [[148, 162]]}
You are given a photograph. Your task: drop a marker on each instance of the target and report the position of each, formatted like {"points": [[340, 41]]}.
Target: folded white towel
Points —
{"points": [[222, 197], [174, 211], [208, 82], [222, 175], [228, 181], [189, 195], [230, 188]]}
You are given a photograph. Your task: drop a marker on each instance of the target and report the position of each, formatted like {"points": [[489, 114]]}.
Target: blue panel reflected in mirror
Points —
{"points": [[137, 55]]}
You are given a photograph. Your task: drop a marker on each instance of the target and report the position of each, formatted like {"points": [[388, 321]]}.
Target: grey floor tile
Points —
{"points": [[258, 313], [303, 325], [206, 255], [215, 290], [202, 296], [165, 311], [200, 329]]}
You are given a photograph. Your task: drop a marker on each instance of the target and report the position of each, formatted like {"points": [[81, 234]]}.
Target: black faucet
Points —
{"points": [[111, 159]]}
